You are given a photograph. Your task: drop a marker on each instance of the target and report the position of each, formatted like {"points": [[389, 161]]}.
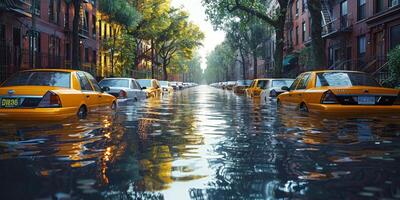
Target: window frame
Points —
{"points": [[80, 76], [304, 81]]}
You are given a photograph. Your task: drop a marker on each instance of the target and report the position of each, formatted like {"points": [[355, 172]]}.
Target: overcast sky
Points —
{"points": [[198, 16]]}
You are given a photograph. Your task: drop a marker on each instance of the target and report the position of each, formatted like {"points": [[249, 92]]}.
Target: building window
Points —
{"points": [[94, 26], [361, 9], [100, 25], [297, 7], [85, 23], [2, 34], [393, 3], [362, 46], [343, 14], [94, 57], [394, 36], [54, 10], [67, 51], [86, 55], [36, 5], [379, 5], [304, 29], [297, 34], [291, 37], [303, 5]]}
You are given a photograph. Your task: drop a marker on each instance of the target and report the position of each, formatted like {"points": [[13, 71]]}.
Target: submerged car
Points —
{"points": [[256, 87], [125, 89], [166, 87], [151, 87], [273, 88], [230, 85], [52, 94], [241, 86], [339, 92]]}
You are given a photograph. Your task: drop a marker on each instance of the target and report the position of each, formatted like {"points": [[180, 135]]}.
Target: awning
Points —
{"points": [[290, 59]]}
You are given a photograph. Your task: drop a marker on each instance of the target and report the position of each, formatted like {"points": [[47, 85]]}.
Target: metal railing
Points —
{"points": [[343, 23]]}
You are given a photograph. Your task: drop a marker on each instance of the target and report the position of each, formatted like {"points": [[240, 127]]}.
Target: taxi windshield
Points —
{"points": [[340, 79], [40, 78]]}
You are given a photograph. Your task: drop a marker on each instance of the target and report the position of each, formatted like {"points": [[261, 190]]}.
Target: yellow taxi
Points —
{"points": [[51, 94], [256, 87], [151, 86], [348, 92]]}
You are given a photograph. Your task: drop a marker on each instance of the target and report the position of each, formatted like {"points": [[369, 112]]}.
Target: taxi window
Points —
{"points": [[263, 84], [294, 84], [84, 82], [303, 82], [94, 82], [253, 83]]}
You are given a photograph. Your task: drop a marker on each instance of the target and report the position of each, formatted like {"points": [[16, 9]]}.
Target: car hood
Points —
{"points": [[27, 90], [355, 90]]}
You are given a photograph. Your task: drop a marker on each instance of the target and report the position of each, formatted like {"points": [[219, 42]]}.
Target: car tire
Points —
{"points": [[82, 112], [303, 108]]}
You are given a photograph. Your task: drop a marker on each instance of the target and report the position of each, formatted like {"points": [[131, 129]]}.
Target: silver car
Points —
{"points": [[273, 88], [125, 89]]}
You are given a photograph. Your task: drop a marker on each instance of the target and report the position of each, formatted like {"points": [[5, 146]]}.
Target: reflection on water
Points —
{"points": [[202, 143]]}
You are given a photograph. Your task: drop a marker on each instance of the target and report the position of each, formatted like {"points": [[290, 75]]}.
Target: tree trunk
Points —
{"points": [[255, 63], [243, 64], [165, 73], [152, 59], [75, 35], [317, 42]]}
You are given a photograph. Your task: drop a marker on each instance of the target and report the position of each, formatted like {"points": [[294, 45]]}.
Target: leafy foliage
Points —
{"points": [[218, 63], [394, 68]]}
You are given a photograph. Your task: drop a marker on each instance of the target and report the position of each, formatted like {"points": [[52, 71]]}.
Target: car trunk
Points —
{"points": [[28, 96], [365, 95]]}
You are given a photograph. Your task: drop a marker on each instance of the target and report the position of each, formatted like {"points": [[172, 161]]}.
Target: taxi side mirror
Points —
{"points": [[143, 88], [105, 89], [285, 88]]}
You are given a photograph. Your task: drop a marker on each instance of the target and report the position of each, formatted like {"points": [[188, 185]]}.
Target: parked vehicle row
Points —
{"points": [[56, 94], [330, 91]]}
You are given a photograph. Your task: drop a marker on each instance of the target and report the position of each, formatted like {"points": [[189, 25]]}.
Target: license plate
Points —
{"points": [[366, 100], [9, 102]]}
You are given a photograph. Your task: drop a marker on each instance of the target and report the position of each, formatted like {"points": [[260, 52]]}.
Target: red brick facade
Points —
{"points": [[358, 33], [50, 46]]}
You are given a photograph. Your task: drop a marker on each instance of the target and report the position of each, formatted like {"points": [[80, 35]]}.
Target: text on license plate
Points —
{"points": [[366, 100], [9, 102]]}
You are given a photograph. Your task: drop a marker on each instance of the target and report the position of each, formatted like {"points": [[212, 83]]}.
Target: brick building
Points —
{"points": [[40, 35], [358, 33]]}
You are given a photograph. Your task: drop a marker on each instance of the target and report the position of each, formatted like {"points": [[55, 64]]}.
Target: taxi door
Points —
{"points": [[90, 96]]}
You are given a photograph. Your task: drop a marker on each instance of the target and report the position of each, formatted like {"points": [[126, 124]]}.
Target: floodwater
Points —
{"points": [[202, 143]]}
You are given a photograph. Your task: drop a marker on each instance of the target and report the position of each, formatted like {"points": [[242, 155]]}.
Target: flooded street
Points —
{"points": [[202, 143]]}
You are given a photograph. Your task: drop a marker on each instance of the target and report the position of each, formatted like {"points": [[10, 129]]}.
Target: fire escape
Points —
{"points": [[337, 30]]}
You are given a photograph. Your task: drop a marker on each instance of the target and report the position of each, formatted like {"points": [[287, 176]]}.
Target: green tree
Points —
{"points": [[221, 11], [394, 68], [181, 35], [219, 62], [123, 16]]}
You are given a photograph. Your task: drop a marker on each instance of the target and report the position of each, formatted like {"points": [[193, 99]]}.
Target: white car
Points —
{"points": [[274, 88], [125, 89]]}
